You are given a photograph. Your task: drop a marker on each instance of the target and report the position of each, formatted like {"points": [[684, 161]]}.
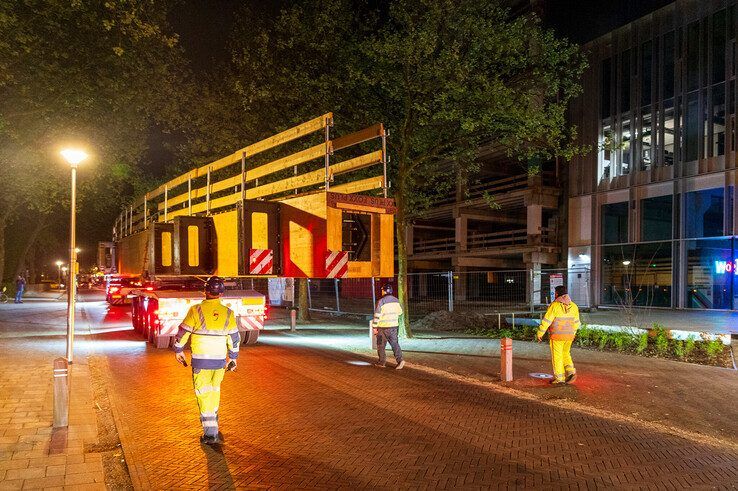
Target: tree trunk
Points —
{"points": [[4, 217], [21, 268], [302, 299], [405, 330]]}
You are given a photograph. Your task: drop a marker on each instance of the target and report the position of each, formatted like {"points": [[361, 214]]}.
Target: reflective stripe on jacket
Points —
{"points": [[561, 319], [212, 331], [388, 311]]}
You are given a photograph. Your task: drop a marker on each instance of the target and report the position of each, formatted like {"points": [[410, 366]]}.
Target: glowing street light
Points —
{"points": [[73, 156], [58, 267], [626, 263]]}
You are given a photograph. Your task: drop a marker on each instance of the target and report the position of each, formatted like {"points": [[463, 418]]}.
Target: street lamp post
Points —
{"points": [[58, 267], [73, 157]]}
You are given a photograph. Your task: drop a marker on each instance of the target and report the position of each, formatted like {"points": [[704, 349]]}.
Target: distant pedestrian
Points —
{"points": [[20, 287], [561, 321], [211, 329], [386, 325]]}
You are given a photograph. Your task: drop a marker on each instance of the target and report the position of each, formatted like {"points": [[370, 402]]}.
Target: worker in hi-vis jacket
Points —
{"points": [[561, 321], [386, 323], [211, 329]]}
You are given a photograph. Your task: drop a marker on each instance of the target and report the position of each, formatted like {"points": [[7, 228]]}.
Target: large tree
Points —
{"points": [[443, 75], [72, 72]]}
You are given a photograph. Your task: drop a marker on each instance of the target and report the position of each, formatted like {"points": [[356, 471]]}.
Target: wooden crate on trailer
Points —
{"points": [[312, 227]]}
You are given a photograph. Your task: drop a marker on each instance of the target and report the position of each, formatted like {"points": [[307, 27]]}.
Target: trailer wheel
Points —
{"points": [[249, 337]]}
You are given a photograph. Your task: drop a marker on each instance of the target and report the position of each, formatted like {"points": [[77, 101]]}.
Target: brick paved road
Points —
{"points": [[308, 418]]}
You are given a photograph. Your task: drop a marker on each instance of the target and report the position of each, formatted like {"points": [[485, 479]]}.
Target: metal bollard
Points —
{"points": [[293, 320], [506, 372], [61, 393], [372, 338]]}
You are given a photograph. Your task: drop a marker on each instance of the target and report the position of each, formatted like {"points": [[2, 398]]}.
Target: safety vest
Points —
{"points": [[561, 320], [387, 314], [212, 331]]}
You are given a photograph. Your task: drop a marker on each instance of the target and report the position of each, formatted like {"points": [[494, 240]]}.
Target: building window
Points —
{"points": [[605, 88], [693, 56], [704, 216], [669, 132], [668, 81], [607, 146], [637, 275], [646, 142], [646, 74], [718, 120], [625, 150], [718, 46], [692, 130], [625, 81], [615, 223], [656, 218], [710, 274]]}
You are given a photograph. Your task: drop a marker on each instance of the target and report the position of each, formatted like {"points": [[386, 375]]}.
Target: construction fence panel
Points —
{"points": [[484, 292]]}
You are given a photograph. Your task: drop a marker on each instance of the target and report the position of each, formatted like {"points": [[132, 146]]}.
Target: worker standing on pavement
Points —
{"points": [[211, 329], [20, 287], [561, 321], [386, 325]]}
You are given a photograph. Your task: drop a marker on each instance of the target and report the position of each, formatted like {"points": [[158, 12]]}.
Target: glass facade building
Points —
{"points": [[652, 206]]}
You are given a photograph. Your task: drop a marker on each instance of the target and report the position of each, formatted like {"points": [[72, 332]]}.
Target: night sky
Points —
{"points": [[204, 25]]}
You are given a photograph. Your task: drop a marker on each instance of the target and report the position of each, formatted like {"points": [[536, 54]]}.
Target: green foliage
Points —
{"points": [[679, 349], [604, 338], [584, 335], [713, 349], [689, 346], [661, 341], [642, 343], [622, 341], [92, 74]]}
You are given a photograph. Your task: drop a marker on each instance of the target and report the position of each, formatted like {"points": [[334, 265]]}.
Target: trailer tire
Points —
{"points": [[249, 337]]}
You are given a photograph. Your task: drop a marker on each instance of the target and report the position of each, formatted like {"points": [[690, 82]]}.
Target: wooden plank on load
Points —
{"points": [[298, 158], [359, 186], [202, 192], [314, 177], [273, 141], [374, 131]]}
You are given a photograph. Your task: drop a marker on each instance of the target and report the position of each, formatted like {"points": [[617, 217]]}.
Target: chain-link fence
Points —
{"points": [[479, 291]]}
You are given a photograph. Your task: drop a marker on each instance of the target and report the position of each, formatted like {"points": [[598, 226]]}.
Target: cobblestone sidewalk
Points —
{"points": [[32, 454]]}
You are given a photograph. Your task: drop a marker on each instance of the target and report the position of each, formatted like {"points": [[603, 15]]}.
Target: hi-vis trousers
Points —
{"points": [[207, 392], [561, 358]]}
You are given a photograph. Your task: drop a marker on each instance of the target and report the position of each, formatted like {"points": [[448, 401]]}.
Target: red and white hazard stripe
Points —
{"points": [[261, 261], [336, 264], [251, 322]]}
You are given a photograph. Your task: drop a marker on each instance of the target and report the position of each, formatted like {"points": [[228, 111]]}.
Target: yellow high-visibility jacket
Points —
{"points": [[212, 331], [387, 313], [561, 319]]}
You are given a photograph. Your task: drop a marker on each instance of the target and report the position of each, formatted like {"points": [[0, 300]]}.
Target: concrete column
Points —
{"points": [[533, 284], [462, 232], [535, 220]]}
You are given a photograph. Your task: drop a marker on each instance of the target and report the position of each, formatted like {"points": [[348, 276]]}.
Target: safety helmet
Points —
{"points": [[214, 286], [387, 289]]}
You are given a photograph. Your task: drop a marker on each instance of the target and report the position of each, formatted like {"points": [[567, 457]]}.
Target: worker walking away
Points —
{"points": [[211, 329], [561, 321], [386, 325]]}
